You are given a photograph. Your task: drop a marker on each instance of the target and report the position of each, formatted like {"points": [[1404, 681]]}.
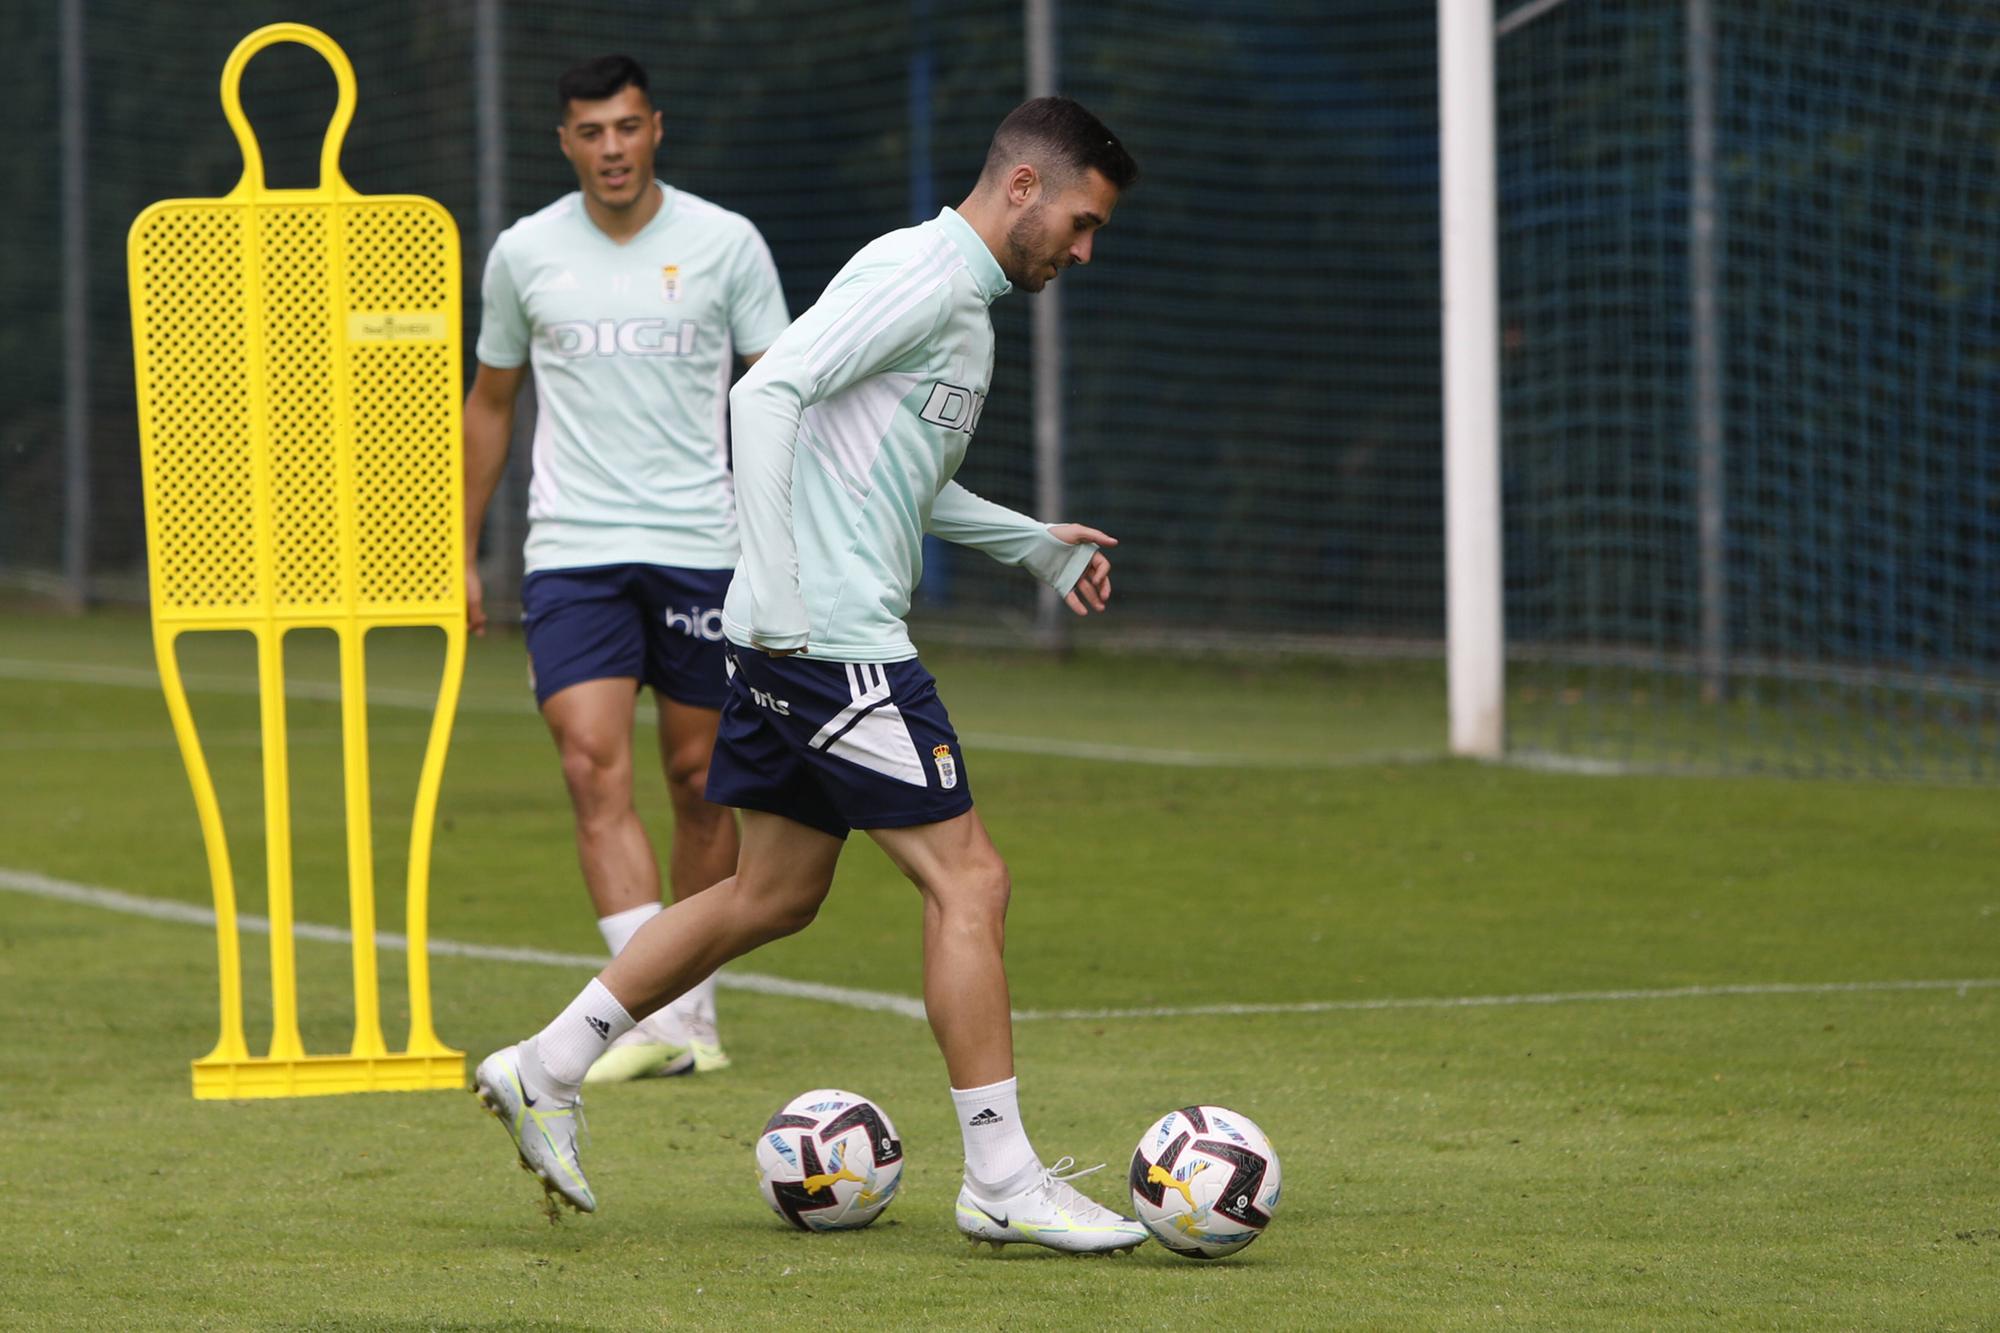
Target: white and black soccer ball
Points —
{"points": [[1204, 1181], [829, 1161]]}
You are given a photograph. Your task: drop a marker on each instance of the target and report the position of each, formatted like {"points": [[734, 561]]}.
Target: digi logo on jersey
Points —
{"points": [[697, 623], [953, 408], [622, 337]]}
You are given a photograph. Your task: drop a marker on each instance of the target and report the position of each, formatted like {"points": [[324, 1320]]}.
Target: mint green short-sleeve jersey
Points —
{"points": [[633, 348]]}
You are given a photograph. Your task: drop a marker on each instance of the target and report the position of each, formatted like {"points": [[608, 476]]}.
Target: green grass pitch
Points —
{"points": [[1781, 1155]]}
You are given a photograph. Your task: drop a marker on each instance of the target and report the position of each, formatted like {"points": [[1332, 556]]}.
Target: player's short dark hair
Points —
{"points": [[599, 78], [1057, 133]]}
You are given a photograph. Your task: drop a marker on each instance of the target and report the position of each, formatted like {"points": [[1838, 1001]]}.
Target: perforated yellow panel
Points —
{"points": [[403, 277], [298, 357], [321, 474], [304, 428], [196, 448]]}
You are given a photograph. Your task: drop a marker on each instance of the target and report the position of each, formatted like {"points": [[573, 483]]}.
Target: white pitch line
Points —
{"points": [[1503, 1001], [1052, 747], [161, 909], [1057, 748], [1569, 765], [163, 738], [147, 678]]}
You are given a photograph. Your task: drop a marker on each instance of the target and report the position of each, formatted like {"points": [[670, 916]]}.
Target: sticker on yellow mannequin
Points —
{"points": [[299, 356]]}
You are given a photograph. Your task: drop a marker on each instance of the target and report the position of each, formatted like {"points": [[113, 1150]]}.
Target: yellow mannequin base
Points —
{"points": [[325, 1075]]}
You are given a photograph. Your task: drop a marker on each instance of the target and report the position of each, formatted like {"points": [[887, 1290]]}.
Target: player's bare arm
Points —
{"points": [[489, 426]]}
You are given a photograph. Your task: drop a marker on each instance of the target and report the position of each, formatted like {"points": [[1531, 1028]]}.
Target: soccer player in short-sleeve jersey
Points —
{"points": [[846, 437], [631, 301]]}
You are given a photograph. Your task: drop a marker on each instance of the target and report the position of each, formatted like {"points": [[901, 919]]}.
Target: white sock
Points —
{"points": [[562, 1053], [698, 1003], [998, 1159], [619, 928]]}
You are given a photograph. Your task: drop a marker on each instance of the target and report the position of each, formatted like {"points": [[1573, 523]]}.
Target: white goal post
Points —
{"points": [[1475, 658]]}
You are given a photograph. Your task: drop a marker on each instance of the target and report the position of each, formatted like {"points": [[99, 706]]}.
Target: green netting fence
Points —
{"points": [[1767, 537], [1250, 381]]}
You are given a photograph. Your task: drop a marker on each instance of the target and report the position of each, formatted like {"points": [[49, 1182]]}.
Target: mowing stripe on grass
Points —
{"points": [[1052, 747], [161, 909]]}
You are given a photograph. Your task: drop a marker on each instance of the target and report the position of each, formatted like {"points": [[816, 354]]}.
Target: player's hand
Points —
{"points": [[475, 600], [1093, 588]]}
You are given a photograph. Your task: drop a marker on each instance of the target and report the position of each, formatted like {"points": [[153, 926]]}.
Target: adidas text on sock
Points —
{"points": [[568, 1047], [997, 1151]]}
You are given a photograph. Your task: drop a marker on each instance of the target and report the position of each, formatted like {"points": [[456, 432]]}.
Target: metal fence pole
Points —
{"points": [[489, 110], [1705, 319], [934, 588], [75, 143], [487, 63], [1049, 353]]}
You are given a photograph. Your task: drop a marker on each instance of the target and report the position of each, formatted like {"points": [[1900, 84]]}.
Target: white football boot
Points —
{"points": [[704, 1042], [657, 1048], [1051, 1212], [544, 1128]]}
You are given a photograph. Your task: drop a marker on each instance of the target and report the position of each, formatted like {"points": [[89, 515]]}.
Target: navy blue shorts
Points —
{"points": [[837, 745], [660, 625]]}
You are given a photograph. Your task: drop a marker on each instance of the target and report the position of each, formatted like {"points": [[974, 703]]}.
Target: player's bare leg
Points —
{"points": [[782, 876], [535, 1086], [591, 723], [964, 884], [704, 853], [1008, 1195]]}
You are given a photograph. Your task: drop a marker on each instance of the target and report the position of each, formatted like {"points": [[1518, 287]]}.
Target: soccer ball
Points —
{"points": [[829, 1161], [1204, 1181]]}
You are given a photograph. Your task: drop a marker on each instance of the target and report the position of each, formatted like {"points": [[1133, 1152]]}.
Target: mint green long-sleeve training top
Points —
{"points": [[846, 436]]}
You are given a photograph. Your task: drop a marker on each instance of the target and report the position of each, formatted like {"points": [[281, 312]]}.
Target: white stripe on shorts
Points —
{"points": [[881, 742], [867, 687], [870, 731]]}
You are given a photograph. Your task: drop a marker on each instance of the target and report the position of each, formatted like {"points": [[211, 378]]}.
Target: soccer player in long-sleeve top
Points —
{"points": [[632, 300], [846, 437]]}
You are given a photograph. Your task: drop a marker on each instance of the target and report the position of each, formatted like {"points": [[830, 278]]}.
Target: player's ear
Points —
{"points": [[1023, 183]]}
